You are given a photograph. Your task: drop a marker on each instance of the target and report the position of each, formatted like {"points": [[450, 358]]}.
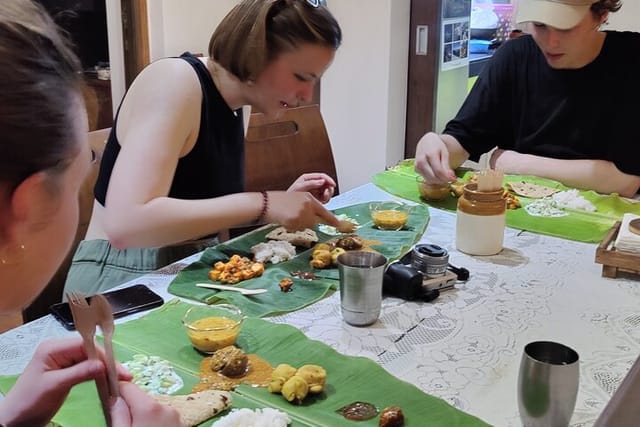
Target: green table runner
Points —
{"points": [[349, 379], [582, 226], [393, 244]]}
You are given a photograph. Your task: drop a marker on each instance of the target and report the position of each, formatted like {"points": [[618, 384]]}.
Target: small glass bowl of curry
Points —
{"points": [[389, 215], [212, 327], [432, 192]]}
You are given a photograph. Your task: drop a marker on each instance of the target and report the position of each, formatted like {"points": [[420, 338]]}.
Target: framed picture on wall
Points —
{"points": [[456, 9], [455, 43]]}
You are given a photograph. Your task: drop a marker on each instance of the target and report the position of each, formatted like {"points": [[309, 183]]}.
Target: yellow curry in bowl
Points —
{"points": [[432, 192], [211, 328], [389, 215]]}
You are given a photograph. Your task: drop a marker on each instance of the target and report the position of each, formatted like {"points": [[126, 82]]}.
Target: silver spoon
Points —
{"points": [[243, 291]]}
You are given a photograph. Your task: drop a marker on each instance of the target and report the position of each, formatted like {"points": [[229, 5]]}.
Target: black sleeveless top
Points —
{"points": [[214, 166]]}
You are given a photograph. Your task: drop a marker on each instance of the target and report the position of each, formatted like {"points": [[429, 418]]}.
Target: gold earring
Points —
{"points": [[6, 260]]}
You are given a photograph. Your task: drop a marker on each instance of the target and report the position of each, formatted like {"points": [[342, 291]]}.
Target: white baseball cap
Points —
{"points": [[560, 14]]}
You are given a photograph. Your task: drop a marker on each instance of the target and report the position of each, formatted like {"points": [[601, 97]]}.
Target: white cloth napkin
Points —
{"points": [[627, 240]]}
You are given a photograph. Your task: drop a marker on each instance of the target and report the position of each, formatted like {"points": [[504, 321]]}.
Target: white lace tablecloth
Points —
{"points": [[466, 345]]}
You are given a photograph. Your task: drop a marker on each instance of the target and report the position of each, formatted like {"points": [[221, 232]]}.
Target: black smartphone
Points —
{"points": [[123, 302]]}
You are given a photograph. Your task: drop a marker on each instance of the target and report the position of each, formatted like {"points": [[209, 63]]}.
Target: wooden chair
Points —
{"points": [[279, 151], [52, 293]]}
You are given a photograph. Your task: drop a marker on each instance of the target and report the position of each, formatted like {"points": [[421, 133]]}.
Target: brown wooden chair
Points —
{"points": [[279, 151], [53, 291]]}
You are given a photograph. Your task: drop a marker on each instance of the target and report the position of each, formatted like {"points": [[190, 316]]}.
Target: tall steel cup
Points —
{"points": [[547, 384], [361, 275]]}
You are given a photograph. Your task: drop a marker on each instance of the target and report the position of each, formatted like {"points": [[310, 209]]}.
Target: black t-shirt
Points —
{"points": [[520, 103], [214, 166]]}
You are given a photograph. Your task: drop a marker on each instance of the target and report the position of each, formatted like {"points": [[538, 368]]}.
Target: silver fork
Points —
{"points": [[85, 320], [105, 320]]}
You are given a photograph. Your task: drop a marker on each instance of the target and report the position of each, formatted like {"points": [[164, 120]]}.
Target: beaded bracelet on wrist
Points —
{"points": [[265, 207]]}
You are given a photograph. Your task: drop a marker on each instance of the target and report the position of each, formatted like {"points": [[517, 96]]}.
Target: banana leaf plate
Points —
{"points": [[392, 244], [349, 378], [581, 226]]}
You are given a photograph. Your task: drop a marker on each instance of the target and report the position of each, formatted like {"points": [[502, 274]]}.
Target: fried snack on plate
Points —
{"points": [[295, 389], [237, 269], [335, 253], [531, 190], [314, 375], [280, 376], [230, 361], [457, 188], [512, 200], [391, 416], [350, 242], [320, 259], [304, 238], [196, 408], [285, 284]]}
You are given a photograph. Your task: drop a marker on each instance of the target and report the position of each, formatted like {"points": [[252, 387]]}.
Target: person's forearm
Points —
{"points": [[9, 417], [457, 154], [164, 221], [5, 417], [598, 175]]}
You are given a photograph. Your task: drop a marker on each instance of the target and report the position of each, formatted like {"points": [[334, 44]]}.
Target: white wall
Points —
{"points": [[363, 92], [176, 26], [116, 52], [627, 18], [363, 96]]}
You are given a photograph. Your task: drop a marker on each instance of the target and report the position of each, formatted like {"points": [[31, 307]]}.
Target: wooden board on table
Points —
{"points": [[614, 261]]}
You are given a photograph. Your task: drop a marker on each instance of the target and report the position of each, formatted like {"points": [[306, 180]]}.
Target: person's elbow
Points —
{"points": [[118, 240], [117, 231], [630, 187]]}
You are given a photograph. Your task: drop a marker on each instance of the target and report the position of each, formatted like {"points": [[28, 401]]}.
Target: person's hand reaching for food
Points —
{"points": [[320, 185], [297, 210], [433, 160]]}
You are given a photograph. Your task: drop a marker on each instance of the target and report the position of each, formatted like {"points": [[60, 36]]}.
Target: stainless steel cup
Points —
{"points": [[547, 384], [361, 275]]}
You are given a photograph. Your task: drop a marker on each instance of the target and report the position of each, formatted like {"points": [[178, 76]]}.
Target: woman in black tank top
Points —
{"points": [[172, 170]]}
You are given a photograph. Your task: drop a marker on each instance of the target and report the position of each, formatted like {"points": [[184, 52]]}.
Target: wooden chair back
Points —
{"points": [[53, 291], [279, 151]]}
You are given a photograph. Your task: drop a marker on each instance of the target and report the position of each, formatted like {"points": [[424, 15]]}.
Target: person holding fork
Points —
{"points": [[44, 156]]}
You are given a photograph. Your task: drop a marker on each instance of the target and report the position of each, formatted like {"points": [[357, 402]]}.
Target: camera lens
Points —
{"points": [[431, 260]]}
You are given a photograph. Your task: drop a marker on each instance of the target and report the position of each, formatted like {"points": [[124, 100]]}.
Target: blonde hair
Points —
{"points": [[256, 32]]}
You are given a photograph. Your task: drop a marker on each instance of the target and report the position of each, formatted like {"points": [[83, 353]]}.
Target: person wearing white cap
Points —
{"points": [[560, 103]]}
